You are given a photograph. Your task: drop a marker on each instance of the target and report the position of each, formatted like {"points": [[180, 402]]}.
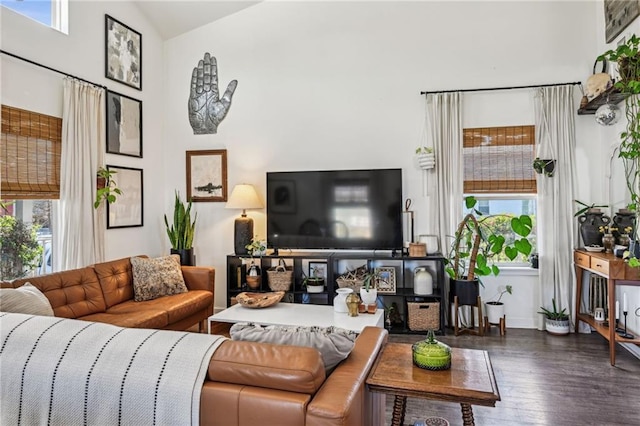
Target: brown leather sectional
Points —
{"points": [[104, 293]]}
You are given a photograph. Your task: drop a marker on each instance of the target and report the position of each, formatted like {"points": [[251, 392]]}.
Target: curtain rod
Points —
{"points": [[51, 69], [502, 88]]}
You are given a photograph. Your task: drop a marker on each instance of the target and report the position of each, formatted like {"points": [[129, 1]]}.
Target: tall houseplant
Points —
{"points": [[181, 231], [627, 55]]}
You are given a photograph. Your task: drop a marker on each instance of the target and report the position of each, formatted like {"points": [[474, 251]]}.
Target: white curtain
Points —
{"points": [[555, 138], [80, 228]]}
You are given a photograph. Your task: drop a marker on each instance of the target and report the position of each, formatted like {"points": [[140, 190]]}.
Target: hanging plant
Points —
{"points": [[426, 157], [544, 166], [106, 188]]}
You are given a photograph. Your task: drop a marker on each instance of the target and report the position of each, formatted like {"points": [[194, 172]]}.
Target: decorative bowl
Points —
{"points": [[594, 248], [259, 300]]}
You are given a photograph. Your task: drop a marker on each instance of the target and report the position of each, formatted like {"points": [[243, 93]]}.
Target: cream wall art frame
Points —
{"points": [[207, 175], [127, 211]]}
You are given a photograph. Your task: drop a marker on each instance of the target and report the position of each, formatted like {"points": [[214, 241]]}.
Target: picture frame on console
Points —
{"points": [[386, 282], [207, 175], [127, 210], [124, 125]]}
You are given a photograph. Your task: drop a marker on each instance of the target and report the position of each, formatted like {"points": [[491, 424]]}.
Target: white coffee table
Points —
{"points": [[298, 314]]}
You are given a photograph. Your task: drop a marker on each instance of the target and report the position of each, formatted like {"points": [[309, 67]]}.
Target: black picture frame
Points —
{"points": [[618, 14], [124, 125], [122, 53], [128, 209]]}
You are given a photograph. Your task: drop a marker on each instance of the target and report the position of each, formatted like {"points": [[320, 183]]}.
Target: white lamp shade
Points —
{"points": [[244, 196]]}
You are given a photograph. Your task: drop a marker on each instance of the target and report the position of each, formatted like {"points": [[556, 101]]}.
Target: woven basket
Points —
{"points": [[352, 284], [424, 316], [280, 277]]}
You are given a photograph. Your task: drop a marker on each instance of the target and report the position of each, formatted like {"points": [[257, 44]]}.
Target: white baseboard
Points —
{"points": [[634, 349]]}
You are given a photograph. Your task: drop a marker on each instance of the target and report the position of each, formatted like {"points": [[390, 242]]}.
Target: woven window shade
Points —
{"points": [[499, 160], [30, 155]]}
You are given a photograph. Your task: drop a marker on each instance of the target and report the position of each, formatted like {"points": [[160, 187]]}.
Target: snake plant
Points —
{"points": [[181, 231]]}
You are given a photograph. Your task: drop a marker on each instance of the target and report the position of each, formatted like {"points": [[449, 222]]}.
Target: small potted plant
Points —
{"points": [[314, 283], [426, 157], [495, 308], [556, 322], [257, 247], [106, 188], [544, 166], [368, 291]]}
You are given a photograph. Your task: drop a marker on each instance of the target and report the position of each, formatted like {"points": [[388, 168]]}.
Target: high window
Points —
{"points": [[498, 172], [52, 13]]}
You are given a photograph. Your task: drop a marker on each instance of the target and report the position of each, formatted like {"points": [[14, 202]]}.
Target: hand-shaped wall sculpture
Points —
{"points": [[206, 110]]}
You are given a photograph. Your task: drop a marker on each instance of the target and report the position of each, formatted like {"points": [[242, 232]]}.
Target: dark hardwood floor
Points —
{"points": [[544, 380]]}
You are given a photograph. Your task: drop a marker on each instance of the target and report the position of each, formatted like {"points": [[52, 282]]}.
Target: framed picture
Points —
{"points": [[127, 210], [207, 175], [124, 125], [320, 268], [387, 281], [618, 14], [282, 196], [123, 53]]}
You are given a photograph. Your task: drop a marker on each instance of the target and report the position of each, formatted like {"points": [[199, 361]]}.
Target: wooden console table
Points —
{"points": [[470, 380], [617, 272]]}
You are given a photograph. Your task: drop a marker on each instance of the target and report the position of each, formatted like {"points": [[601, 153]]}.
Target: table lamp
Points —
{"points": [[243, 197]]}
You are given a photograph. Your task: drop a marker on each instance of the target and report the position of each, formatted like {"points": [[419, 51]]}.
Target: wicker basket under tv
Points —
{"points": [[423, 316]]}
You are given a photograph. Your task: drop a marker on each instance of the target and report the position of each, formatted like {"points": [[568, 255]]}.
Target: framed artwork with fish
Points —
{"points": [[207, 175]]}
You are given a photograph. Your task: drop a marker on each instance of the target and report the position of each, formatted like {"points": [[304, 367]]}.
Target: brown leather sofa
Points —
{"points": [[104, 293], [276, 385]]}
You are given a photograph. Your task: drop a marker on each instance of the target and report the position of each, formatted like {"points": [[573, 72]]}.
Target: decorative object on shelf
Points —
{"points": [[426, 158], [259, 300], [598, 314], [423, 316], [314, 282], [417, 249], [495, 308], [384, 278], [257, 247], [608, 240], [353, 279], [368, 291], [431, 241], [206, 109], [430, 354], [556, 322], [608, 114], [124, 125], [422, 281], [407, 225], [544, 166], [254, 278], [106, 187], [625, 311], [625, 221], [534, 259], [243, 197], [280, 277], [627, 55], [207, 175], [591, 218], [340, 301], [598, 82], [123, 53], [595, 249], [181, 231], [127, 210], [353, 302]]}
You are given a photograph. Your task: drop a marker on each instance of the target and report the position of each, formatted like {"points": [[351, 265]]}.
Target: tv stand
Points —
{"points": [[335, 263]]}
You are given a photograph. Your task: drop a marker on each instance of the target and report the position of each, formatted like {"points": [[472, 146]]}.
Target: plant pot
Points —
{"points": [[101, 182], [546, 166], [186, 256], [467, 291], [590, 223], [427, 161], [315, 286], [557, 327], [368, 296], [495, 311]]}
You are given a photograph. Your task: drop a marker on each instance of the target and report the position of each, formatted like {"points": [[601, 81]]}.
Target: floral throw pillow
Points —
{"points": [[153, 278]]}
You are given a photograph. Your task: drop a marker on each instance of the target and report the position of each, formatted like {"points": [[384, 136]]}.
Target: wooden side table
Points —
{"points": [[470, 380]]}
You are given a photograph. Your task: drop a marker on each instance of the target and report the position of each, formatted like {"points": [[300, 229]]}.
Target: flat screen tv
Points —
{"points": [[337, 209]]}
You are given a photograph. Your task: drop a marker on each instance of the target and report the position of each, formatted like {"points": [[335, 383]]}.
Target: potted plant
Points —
{"points": [[106, 187], [627, 56], [257, 247], [368, 291], [475, 245], [544, 166], [556, 323], [426, 157], [314, 283], [495, 308], [181, 231]]}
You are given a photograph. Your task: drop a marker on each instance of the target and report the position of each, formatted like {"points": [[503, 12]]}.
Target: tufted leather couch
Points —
{"points": [[104, 293]]}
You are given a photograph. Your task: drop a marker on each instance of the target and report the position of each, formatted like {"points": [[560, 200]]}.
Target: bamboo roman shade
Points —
{"points": [[499, 160], [30, 155]]}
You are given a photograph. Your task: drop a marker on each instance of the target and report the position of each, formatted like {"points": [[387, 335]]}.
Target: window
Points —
{"points": [[52, 13], [498, 172]]}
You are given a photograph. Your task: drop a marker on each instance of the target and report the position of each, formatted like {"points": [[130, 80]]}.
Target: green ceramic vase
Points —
{"points": [[431, 354]]}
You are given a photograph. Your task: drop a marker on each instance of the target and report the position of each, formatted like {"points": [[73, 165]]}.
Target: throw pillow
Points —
{"points": [[153, 278], [26, 299], [333, 343]]}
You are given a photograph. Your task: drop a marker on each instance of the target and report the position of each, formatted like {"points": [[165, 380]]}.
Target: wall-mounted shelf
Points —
{"points": [[612, 94]]}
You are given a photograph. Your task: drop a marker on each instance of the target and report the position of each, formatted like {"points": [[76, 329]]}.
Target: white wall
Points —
{"points": [[328, 85], [81, 53]]}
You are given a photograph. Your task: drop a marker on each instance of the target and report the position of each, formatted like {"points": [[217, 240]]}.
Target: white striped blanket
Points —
{"points": [[56, 371]]}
